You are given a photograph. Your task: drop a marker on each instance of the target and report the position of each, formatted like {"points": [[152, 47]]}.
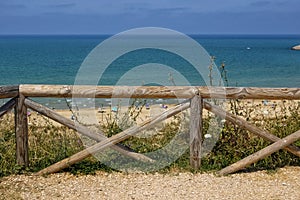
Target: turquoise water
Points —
{"points": [[264, 61]]}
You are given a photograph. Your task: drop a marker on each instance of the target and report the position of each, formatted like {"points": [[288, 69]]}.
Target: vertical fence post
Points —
{"points": [[21, 128], [196, 130]]}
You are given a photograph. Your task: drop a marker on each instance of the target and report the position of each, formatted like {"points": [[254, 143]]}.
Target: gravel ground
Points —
{"points": [[283, 184]]}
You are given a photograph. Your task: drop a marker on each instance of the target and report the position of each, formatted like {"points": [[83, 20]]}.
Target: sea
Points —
{"points": [[249, 60]]}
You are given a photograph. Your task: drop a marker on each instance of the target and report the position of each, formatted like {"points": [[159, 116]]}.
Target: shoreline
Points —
{"points": [[256, 110]]}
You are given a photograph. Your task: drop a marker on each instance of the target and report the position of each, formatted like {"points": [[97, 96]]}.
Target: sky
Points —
{"points": [[186, 16]]}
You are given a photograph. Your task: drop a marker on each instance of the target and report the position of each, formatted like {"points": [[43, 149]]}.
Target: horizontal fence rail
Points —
{"points": [[20, 102], [159, 92], [9, 91]]}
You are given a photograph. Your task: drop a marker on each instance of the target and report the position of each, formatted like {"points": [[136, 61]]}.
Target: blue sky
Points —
{"points": [[187, 16]]}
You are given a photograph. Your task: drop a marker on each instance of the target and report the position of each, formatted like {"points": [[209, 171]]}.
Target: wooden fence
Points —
{"points": [[20, 100]]}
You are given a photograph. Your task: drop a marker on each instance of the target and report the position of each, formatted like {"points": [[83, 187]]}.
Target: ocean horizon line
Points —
{"points": [[188, 34]]}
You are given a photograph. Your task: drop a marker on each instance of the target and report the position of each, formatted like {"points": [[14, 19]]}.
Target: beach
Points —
{"points": [[255, 110], [61, 137], [251, 61]]}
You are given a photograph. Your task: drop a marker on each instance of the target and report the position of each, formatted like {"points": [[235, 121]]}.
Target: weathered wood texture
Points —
{"points": [[250, 93], [158, 92], [196, 130], [9, 91], [7, 106], [112, 140], [253, 129], [195, 93], [21, 132], [107, 91], [261, 154], [83, 130]]}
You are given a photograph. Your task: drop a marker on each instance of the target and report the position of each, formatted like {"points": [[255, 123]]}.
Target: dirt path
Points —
{"points": [[283, 184]]}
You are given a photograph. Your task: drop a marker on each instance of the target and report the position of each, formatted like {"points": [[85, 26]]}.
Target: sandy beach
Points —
{"points": [[256, 110]]}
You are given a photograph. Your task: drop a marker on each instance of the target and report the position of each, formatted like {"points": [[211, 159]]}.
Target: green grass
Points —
{"points": [[49, 143]]}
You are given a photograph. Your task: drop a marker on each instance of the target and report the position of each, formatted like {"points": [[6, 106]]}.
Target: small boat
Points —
{"points": [[297, 47]]}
